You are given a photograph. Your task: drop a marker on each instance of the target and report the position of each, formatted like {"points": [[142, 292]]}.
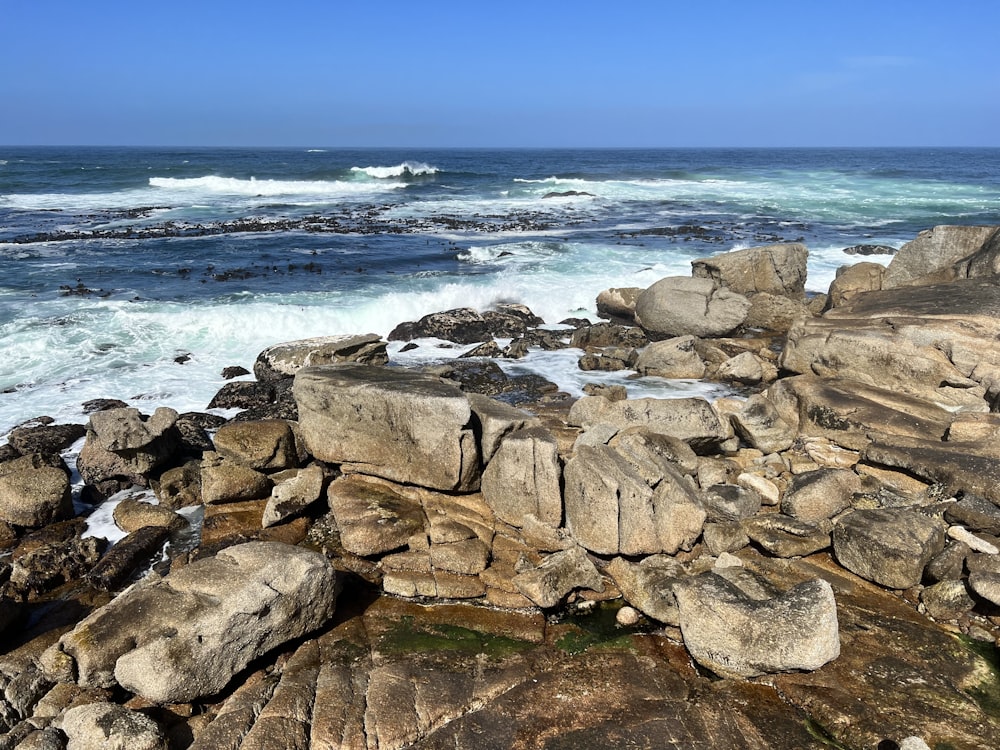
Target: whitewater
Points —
{"points": [[139, 274]]}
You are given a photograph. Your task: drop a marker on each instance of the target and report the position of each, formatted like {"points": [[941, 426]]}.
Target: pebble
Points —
{"points": [[913, 743], [962, 534], [627, 616]]}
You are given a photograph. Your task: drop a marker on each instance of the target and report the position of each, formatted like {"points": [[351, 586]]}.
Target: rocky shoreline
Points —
{"points": [[370, 556]]}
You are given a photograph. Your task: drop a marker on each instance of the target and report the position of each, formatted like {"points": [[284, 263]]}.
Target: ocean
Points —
{"points": [[140, 273]]}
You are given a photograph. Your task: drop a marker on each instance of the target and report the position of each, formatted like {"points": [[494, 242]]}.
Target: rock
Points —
{"points": [[292, 496], [461, 326], [976, 512], [33, 497], [372, 516], [767, 490], [736, 633], [986, 585], [244, 394], [933, 250], [225, 481], [692, 420], [263, 445], [681, 306], [817, 495], [747, 368], [489, 349], [627, 617], [285, 359], [557, 575], [185, 636], [726, 536], [122, 560], [653, 454], [890, 546], [493, 420], [761, 426], [730, 502], [107, 726], [234, 371], [608, 360], [523, 478], [973, 542], [775, 313], [648, 585], [854, 280], [179, 487], [870, 250], [126, 446], [131, 515], [784, 536], [618, 303], [485, 376], [949, 563], [51, 556], [775, 269], [946, 600], [396, 424], [45, 439], [671, 358], [603, 335]]}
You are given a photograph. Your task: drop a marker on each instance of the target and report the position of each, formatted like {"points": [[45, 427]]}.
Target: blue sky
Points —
{"points": [[512, 73]]}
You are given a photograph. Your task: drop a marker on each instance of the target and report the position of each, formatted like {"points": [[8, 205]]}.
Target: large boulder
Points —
{"points": [[890, 546], [557, 575], [934, 250], [523, 476], [743, 629], [854, 280], [671, 358], [286, 359], [123, 444], [462, 326], [681, 306], [267, 445], [774, 269], [185, 636], [33, 494], [397, 424], [618, 303]]}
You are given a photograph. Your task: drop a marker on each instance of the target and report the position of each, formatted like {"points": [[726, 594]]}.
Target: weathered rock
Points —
{"points": [[854, 280], [868, 249], [784, 536], [618, 303], [484, 376], [890, 546], [396, 424], [185, 636], [986, 585], [372, 516], [126, 557], [602, 335], [558, 575], [33, 497], [934, 250], [244, 394], [122, 443], [654, 454], [292, 496], [681, 306], [736, 633], [180, 486], [493, 420], [523, 478], [692, 420], [946, 600], [730, 502], [973, 542], [648, 585], [225, 481], [461, 325], [747, 368], [769, 492], [761, 426], [949, 563], [775, 313], [726, 536], [823, 493], [107, 726], [45, 439], [265, 445], [285, 359], [51, 556], [671, 358], [131, 515], [775, 269]]}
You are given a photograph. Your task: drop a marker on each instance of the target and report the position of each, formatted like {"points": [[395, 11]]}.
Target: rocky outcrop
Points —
{"points": [[185, 636], [618, 303], [523, 476], [396, 424], [672, 358], [772, 269], [934, 250], [285, 359], [33, 494]]}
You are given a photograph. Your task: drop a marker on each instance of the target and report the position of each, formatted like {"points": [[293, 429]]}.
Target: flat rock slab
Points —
{"points": [[397, 424], [285, 359]]}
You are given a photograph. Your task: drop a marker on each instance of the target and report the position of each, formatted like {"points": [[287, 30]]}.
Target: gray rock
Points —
{"points": [[523, 477], [820, 494], [493, 420], [949, 563], [648, 585], [396, 424], [946, 600], [775, 313], [107, 726], [762, 427], [976, 512], [671, 358], [618, 303], [132, 514], [775, 269], [225, 481], [286, 359], [890, 546], [727, 536], [854, 280], [692, 420], [681, 306], [784, 536], [986, 585], [653, 454], [292, 496], [747, 368], [373, 518], [735, 633], [34, 497], [730, 502], [557, 575], [267, 445], [185, 636], [933, 250], [124, 443]]}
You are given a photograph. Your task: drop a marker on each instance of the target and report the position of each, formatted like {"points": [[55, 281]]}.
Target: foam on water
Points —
{"points": [[214, 185], [406, 169]]}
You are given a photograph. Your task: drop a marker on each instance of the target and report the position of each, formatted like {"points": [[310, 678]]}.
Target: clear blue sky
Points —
{"points": [[508, 73]]}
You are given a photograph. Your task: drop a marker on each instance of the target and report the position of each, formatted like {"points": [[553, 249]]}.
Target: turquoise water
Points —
{"points": [[118, 261]]}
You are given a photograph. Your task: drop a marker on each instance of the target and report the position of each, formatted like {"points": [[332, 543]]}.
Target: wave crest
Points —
{"points": [[254, 187], [406, 169]]}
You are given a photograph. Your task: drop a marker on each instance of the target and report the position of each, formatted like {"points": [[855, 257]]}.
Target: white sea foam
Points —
{"points": [[215, 185], [406, 169]]}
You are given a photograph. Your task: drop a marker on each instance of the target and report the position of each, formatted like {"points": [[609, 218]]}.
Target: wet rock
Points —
{"points": [[618, 303], [488, 349], [45, 439], [523, 477], [461, 326], [946, 600], [103, 404], [557, 575], [680, 306], [185, 636], [234, 371], [126, 557], [126, 446], [33, 497], [225, 481], [737, 633], [775, 269], [869, 250], [396, 424], [284, 360], [51, 556], [890, 546], [603, 335]]}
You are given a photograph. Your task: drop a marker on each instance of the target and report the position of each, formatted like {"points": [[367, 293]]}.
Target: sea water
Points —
{"points": [[140, 274]]}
